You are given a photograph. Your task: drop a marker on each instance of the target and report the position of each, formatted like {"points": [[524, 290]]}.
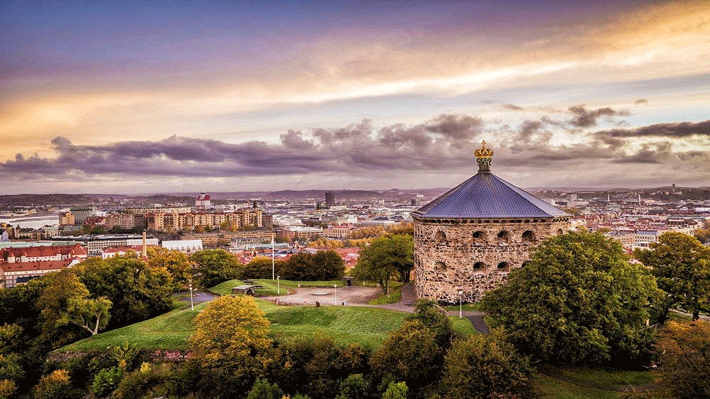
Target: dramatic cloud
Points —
{"points": [[439, 146], [641, 101], [677, 130], [441, 142]]}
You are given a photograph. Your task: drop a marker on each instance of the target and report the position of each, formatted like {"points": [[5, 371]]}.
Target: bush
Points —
{"points": [[263, 390], [485, 366], [260, 267], [396, 390], [410, 354], [55, 386], [435, 318], [324, 265], [140, 382], [106, 381]]}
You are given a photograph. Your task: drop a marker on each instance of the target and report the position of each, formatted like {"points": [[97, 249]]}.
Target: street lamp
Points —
{"points": [[460, 300], [192, 304], [278, 285], [336, 294]]}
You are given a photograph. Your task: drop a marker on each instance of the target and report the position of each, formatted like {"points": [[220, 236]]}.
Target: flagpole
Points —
{"points": [[273, 271]]}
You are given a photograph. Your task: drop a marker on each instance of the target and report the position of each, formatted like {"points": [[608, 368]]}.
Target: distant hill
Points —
{"points": [[20, 200]]}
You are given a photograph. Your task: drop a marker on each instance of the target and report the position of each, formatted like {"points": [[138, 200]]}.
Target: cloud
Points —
{"points": [[675, 130], [513, 107], [588, 118], [641, 101], [441, 146], [444, 141]]}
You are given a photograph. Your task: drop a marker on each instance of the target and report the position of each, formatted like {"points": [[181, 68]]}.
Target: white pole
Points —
{"points": [[460, 308], [273, 271], [278, 285], [336, 294], [192, 304]]}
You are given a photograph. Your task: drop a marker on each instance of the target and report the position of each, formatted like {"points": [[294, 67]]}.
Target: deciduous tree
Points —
{"points": [[216, 266], [681, 265], [386, 258], [230, 339], [485, 366], [577, 301], [684, 364], [176, 263], [409, 354]]}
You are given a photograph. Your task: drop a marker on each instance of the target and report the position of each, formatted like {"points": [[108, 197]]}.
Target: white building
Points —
{"points": [[186, 246]]}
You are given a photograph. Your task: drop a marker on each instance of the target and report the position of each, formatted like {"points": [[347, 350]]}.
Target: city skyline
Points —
{"points": [[101, 97]]}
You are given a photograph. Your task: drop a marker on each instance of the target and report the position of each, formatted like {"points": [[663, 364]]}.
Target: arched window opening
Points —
{"points": [[529, 236], [560, 232], [479, 266], [479, 237], [440, 236], [503, 266], [440, 266], [504, 236]]}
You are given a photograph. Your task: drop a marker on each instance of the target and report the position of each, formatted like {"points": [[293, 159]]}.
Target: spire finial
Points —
{"points": [[483, 158]]}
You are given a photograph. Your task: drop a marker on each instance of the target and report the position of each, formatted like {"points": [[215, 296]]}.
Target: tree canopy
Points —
{"points": [[216, 266], [486, 366], [577, 301], [175, 262], [386, 258], [681, 265], [684, 364], [135, 290]]}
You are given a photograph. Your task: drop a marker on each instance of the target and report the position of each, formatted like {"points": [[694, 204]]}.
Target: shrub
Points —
{"points": [[483, 366], [263, 390], [106, 381]]}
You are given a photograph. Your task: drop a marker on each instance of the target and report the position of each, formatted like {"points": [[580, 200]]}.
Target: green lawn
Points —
{"points": [[476, 306], [345, 324], [394, 296], [584, 382]]}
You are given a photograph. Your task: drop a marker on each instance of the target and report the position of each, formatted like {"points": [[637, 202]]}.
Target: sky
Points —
{"points": [[182, 96]]}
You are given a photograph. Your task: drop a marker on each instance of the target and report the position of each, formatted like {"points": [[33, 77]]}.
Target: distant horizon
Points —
{"points": [[413, 190]]}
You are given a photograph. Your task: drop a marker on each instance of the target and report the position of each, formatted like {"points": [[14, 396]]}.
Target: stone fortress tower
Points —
{"points": [[469, 238]]}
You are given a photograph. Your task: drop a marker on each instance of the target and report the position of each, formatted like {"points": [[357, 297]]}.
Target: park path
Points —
{"points": [[409, 299]]}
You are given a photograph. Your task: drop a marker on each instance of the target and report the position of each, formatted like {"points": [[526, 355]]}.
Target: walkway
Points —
{"points": [[409, 299]]}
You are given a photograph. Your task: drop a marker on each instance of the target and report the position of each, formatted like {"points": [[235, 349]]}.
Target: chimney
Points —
{"points": [[145, 246]]}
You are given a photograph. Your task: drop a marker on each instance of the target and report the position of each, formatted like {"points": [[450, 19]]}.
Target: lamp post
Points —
{"points": [[336, 294], [460, 300], [278, 285], [192, 304]]}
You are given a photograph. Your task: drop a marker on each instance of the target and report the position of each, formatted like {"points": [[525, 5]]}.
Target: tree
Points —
{"points": [[136, 291], [216, 266], [484, 366], [229, 340], [55, 386], [409, 354], [329, 265], [703, 235], [396, 390], [175, 262], [436, 319], [263, 390], [298, 267], [261, 267], [681, 265], [66, 301], [386, 258], [684, 364], [577, 301]]}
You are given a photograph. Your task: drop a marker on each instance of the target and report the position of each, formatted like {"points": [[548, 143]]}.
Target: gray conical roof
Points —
{"points": [[486, 195]]}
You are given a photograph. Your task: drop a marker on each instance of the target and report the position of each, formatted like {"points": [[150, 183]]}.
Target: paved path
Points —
{"points": [[197, 296], [409, 299]]}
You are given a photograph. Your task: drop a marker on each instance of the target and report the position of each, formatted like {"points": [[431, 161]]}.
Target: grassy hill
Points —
{"points": [[346, 324]]}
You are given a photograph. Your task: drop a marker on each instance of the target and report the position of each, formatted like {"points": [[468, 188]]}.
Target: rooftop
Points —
{"points": [[486, 195]]}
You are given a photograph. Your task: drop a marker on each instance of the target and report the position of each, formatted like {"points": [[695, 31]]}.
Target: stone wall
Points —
{"points": [[473, 255]]}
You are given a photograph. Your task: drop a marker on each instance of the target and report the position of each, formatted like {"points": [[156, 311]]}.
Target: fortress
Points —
{"points": [[467, 240]]}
